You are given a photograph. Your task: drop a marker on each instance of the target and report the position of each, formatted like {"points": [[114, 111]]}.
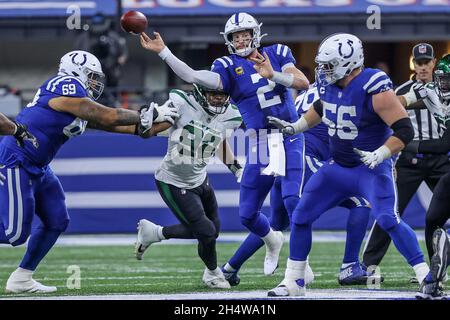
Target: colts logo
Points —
{"points": [[74, 55], [350, 43]]}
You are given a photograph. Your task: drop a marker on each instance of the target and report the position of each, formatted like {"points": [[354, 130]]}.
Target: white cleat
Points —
{"points": [[147, 234], [309, 275], [18, 283], [289, 288], [215, 279], [273, 249]]}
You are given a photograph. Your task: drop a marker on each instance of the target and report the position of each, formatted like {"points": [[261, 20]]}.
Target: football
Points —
{"points": [[133, 22]]}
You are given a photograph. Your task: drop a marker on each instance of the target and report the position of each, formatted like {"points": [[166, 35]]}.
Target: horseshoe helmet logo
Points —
{"points": [[350, 44], [74, 55]]}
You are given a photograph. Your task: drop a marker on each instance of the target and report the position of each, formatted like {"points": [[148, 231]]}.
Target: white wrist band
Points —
{"points": [[410, 98], [384, 152], [285, 79], [165, 53], [300, 125]]}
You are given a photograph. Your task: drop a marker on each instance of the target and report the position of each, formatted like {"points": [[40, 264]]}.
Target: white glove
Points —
{"points": [[167, 112], [374, 158], [285, 127], [238, 175], [147, 117]]}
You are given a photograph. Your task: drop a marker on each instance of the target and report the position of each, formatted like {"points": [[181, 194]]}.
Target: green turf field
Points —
{"points": [[177, 269]]}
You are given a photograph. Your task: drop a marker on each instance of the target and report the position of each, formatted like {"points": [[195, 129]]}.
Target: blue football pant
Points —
{"points": [[21, 197], [333, 183]]}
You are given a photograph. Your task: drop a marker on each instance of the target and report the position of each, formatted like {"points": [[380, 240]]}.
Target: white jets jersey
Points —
{"points": [[438, 108], [193, 141]]}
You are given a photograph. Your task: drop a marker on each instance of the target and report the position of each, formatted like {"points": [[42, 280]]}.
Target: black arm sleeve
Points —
{"points": [[439, 146], [318, 107], [403, 130]]}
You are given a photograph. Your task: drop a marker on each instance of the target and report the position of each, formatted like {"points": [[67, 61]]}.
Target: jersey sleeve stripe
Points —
{"points": [[55, 84], [373, 79], [278, 49], [378, 85], [222, 62], [285, 50], [404, 88], [229, 60], [51, 82]]}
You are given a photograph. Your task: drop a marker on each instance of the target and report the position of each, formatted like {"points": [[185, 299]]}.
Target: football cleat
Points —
{"points": [[352, 275], [147, 234], [273, 249], [430, 290], [231, 276], [309, 275], [289, 287], [25, 284], [215, 279], [438, 265]]}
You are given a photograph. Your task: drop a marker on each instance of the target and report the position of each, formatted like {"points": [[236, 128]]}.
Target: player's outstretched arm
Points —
{"points": [[226, 155], [87, 109], [7, 127], [291, 77], [18, 130], [204, 78], [391, 111], [436, 146]]}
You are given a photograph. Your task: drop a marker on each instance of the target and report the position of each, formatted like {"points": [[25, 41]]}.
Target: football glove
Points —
{"points": [[374, 158], [166, 112], [285, 127], [146, 115], [238, 175], [22, 135]]}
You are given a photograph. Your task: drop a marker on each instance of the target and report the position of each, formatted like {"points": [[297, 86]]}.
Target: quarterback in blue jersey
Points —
{"points": [[367, 125], [257, 80], [316, 153], [62, 108]]}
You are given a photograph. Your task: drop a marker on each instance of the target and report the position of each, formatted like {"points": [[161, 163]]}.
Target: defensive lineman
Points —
{"points": [[206, 120]]}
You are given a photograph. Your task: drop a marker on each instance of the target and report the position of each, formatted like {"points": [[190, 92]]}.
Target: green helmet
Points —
{"points": [[214, 101], [442, 77]]}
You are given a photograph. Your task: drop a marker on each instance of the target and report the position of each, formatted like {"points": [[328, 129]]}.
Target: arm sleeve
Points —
{"points": [[439, 146], [284, 55], [318, 107], [202, 77]]}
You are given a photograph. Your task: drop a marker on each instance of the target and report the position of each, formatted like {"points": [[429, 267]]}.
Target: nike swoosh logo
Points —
{"points": [[292, 140]]}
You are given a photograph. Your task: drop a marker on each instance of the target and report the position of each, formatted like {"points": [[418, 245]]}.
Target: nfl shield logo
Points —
{"points": [[422, 49]]}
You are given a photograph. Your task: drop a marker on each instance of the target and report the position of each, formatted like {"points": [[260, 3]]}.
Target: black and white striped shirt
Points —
{"points": [[424, 124]]}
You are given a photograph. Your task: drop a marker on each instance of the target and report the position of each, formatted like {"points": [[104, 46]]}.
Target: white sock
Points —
{"points": [[269, 238], [23, 274], [229, 268], [160, 233], [295, 269], [421, 271]]}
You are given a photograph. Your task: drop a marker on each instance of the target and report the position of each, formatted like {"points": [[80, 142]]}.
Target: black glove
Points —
{"points": [[22, 135]]}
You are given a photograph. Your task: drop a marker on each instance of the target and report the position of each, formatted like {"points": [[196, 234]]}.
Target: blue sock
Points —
{"points": [[300, 241], [39, 244], [250, 245], [3, 238], [258, 225], [356, 230], [405, 241]]}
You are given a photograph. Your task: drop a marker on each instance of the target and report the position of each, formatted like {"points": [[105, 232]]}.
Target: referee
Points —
{"points": [[412, 168]]}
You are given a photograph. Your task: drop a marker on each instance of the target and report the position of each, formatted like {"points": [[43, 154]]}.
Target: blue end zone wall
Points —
{"points": [[109, 185]]}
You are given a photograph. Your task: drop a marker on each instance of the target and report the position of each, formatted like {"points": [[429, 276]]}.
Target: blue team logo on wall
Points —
{"points": [[74, 55], [350, 44]]}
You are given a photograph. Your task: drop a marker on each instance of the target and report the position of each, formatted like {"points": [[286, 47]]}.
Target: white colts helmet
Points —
{"points": [[85, 67], [239, 22], [338, 56]]}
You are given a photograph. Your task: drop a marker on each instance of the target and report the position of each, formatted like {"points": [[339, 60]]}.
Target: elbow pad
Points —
{"points": [[403, 130]]}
